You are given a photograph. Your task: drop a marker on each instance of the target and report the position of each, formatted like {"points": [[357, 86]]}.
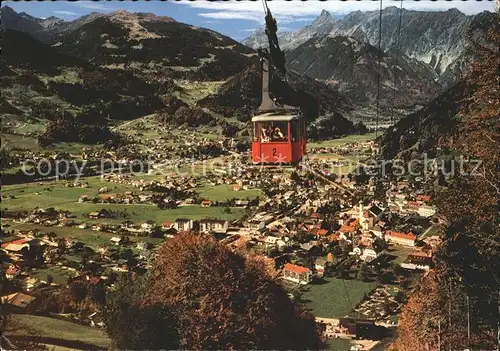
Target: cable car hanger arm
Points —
{"points": [[277, 56]]}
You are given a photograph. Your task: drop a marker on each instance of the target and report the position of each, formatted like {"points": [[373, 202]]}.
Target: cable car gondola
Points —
{"points": [[279, 135]]}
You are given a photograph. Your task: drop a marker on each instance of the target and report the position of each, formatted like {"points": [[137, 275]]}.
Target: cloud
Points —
{"points": [[212, 22], [66, 13], [92, 5], [233, 15], [294, 11]]}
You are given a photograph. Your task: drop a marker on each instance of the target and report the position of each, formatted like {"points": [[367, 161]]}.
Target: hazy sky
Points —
{"points": [[238, 18]]}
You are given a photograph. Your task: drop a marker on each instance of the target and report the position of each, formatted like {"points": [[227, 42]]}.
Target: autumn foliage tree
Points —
{"points": [[455, 306], [130, 324], [220, 300]]}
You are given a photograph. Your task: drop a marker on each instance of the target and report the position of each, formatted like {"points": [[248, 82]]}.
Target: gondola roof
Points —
{"points": [[273, 116]]}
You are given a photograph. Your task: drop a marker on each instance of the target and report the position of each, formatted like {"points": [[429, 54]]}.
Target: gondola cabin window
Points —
{"points": [[273, 131], [295, 130], [255, 133]]}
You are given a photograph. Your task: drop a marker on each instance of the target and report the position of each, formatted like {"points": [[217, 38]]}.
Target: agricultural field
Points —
{"points": [[67, 75], [342, 141], [17, 141], [331, 299], [31, 126], [350, 161], [89, 237], [20, 141], [26, 197], [134, 212], [56, 194], [147, 126]]}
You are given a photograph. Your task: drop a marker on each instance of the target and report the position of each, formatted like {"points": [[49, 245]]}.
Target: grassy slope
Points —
{"points": [[59, 275], [195, 91], [338, 344], [55, 328]]}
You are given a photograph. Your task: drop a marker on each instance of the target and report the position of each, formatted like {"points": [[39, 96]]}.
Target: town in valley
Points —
{"points": [[134, 156]]}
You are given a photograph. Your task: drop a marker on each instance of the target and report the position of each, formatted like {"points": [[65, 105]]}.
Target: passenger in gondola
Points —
{"points": [[267, 134], [264, 136], [278, 135]]}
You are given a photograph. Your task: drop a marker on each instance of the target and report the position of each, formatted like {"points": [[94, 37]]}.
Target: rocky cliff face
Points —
{"points": [[323, 25], [434, 38], [351, 66]]}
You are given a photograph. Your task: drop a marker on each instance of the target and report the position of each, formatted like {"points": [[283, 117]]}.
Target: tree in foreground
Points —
{"points": [[209, 297], [455, 306], [133, 326]]}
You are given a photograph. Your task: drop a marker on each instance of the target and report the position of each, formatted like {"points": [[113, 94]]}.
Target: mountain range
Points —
{"points": [[352, 66], [124, 65], [153, 46], [436, 39]]}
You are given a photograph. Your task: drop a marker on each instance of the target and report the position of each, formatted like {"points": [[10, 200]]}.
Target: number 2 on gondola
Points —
{"points": [[274, 151]]}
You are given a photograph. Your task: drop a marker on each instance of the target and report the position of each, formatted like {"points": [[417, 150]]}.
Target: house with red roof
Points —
{"points": [[319, 233], [320, 265], [407, 239], [19, 303], [333, 237], [423, 198], [16, 245], [344, 219], [206, 203], [349, 227], [167, 225], [12, 271], [413, 205], [297, 274]]}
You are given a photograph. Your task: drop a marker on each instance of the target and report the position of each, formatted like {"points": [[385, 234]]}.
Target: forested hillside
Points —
{"points": [[460, 297]]}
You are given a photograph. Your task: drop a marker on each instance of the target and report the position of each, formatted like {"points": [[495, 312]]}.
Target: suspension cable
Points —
{"points": [[396, 71], [317, 93], [265, 6], [379, 65]]}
